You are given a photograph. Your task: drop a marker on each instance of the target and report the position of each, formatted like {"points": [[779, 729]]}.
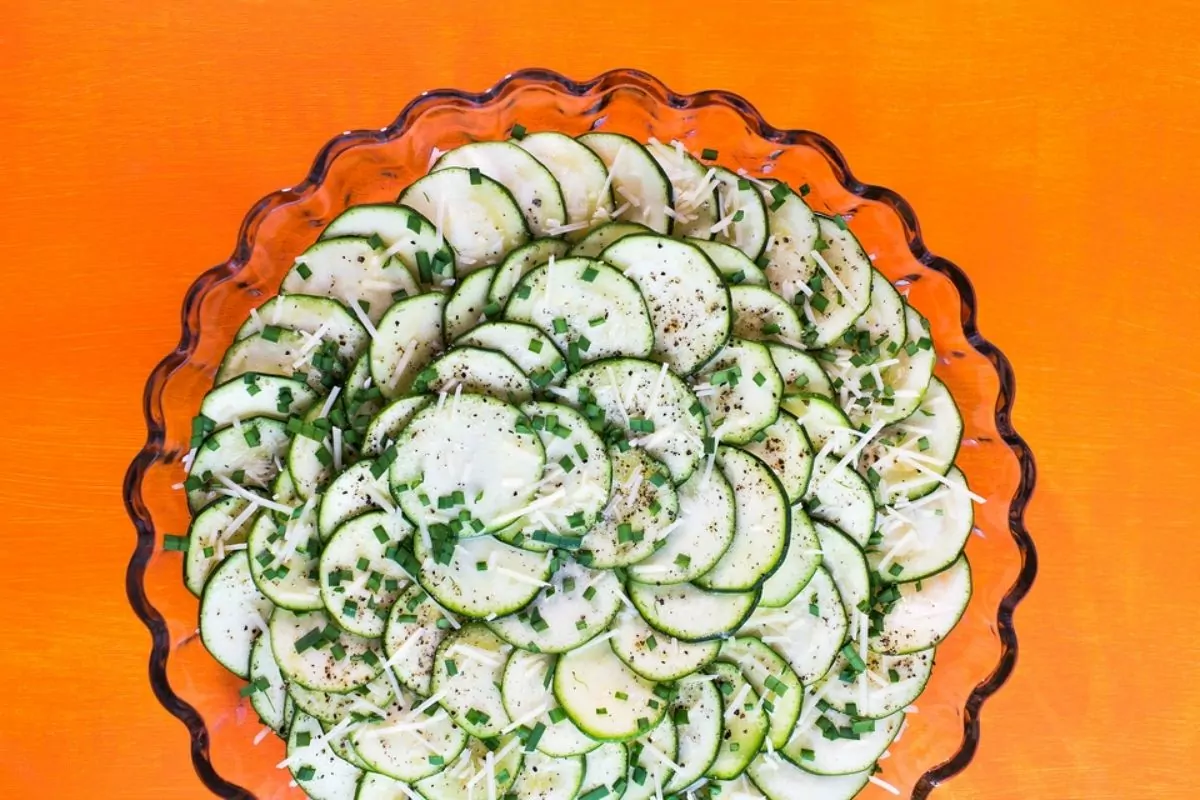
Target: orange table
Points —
{"points": [[135, 135]]}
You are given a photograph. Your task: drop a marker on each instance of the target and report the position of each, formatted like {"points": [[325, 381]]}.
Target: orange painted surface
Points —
{"points": [[1050, 149]]}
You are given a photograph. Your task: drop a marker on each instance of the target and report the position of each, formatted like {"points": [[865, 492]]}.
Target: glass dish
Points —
{"points": [[373, 166]]}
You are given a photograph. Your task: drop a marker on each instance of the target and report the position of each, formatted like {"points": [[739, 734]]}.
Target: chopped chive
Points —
{"points": [[708, 154], [589, 274], [535, 736], [518, 131], [474, 176], [175, 543]]}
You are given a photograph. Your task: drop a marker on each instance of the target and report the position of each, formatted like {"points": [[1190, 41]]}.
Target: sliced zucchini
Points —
{"points": [[400, 744], [847, 566], [468, 306], [520, 261], [670, 420], [925, 611], [794, 234], [284, 552], [588, 308], [374, 786], [582, 178], [923, 537], [885, 320], [742, 214], [840, 276], [477, 371], [912, 457], [826, 426], [474, 454], [761, 521], [740, 390], [255, 395], [575, 487], [409, 336], [386, 426], [244, 454], [341, 746], [415, 629], [232, 614], [317, 770], [801, 372], [527, 690], [641, 512], [744, 721], [801, 560], [779, 779], [548, 778], [761, 315], [693, 189], [526, 346], [268, 691], [582, 604], [655, 655], [837, 494], [279, 351], [597, 239], [357, 271], [476, 771], [652, 757], [313, 652], [587, 681], [450, 572], [467, 671], [690, 613], [889, 684], [332, 708], [478, 216], [531, 184], [784, 447], [699, 726], [700, 537], [404, 233], [807, 632], [856, 747], [772, 679], [605, 767], [908, 378], [312, 458], [883, 383], [641, 190], [222, 522], [689, 304], [326, 319], [356, 490], [735, 267], [360, 577]]}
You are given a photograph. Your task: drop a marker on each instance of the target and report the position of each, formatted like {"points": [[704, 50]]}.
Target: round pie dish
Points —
{"points": [[229, 755]]}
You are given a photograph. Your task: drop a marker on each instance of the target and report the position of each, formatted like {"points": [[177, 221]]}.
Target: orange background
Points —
{"points": [[1050, 148]]}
